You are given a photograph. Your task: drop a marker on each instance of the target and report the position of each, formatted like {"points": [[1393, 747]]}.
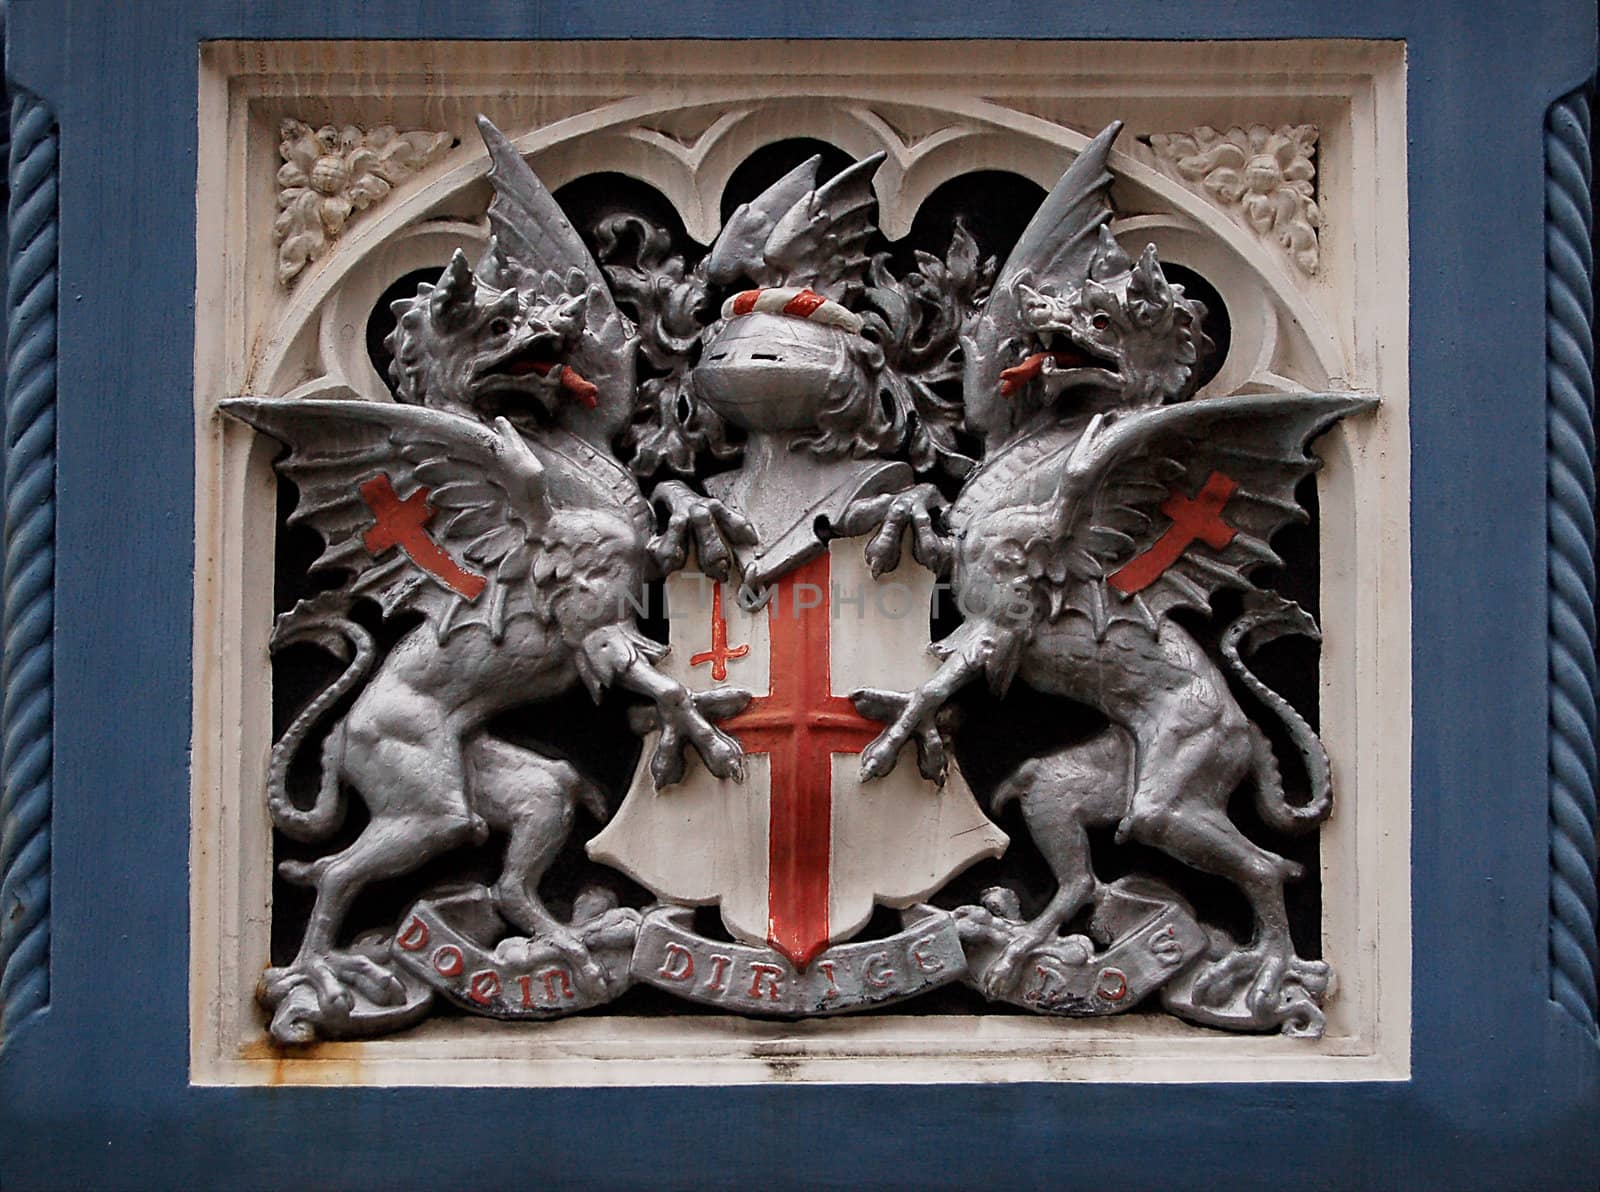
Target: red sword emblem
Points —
{"points": [[800, 724], [719, 653], [399, 523]]}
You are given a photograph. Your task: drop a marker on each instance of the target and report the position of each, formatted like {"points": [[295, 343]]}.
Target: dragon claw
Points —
{"points": [[693, 723], [723, 757], [1001, 975], [1271, 984], [888, 517], [586, 971], [705, 523], [317, 995], [878, 759], [668, 765], [905, 724], [369, 978]]}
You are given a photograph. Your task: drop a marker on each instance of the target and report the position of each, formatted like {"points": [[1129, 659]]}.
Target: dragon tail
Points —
{"points": [[1269, 618], [325, 624]]}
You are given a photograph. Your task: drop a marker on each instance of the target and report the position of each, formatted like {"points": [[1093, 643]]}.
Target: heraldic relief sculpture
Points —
{"points": [[790, 843]]}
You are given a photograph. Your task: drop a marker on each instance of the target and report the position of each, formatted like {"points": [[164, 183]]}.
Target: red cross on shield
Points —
{"points": [[797, 855]]}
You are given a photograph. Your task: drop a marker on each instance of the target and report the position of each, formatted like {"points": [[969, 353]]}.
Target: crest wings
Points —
{"points": [[427, 510], [796, 233], [1165, 506], [1060, 239]]}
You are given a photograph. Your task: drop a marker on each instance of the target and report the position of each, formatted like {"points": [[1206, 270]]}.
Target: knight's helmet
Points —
{"points": [[788, 353]]}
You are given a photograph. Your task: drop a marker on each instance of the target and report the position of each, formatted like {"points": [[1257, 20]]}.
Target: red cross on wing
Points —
{"points": [[419, 508], [1160, 508], [403, 525]]}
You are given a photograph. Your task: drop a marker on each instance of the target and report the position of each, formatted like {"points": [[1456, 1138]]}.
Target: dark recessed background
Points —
{"points": [[996, 734]]}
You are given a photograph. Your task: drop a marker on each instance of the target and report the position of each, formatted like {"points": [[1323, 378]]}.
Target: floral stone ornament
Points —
{"points": [[330, 173], [1269, 174]]}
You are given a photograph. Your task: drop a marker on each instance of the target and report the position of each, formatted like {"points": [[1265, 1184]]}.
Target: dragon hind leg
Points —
{"points": [[389, 847], [1061, 794], [1194, 748], [1282, 988], [332, 976], [404, 758], [534, 800]]}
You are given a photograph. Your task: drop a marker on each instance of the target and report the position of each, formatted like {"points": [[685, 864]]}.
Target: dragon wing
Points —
{"points": [[796, 233], [1165, 506], [422, 509], [1054, 250], [535, 245], [820, 241]]}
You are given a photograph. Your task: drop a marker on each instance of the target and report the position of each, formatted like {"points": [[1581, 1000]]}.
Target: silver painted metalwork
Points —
{"points": [[816, 381], [925, 954]]}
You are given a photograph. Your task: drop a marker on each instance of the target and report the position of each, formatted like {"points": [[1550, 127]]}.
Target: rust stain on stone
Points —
{"points": [[320, 1063]]}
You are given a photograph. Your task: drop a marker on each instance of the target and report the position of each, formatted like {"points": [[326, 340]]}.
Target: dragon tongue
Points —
{"points": [[571, 382], [1018, 375], [584, 391]]}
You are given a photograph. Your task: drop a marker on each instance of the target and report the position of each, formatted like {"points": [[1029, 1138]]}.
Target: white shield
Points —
{"points": [[798, 864]]}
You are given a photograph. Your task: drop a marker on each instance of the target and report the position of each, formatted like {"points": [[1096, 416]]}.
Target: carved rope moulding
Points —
{"points": [[1266, 175], [27, 718], [1570, 368], [330, 173]]}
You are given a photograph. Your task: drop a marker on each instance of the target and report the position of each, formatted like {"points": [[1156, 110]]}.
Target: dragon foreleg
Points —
{"points": [[914, 715], [618, 654]]}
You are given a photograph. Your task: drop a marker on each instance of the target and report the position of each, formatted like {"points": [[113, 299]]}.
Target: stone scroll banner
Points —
{"points": [[751, 980]]}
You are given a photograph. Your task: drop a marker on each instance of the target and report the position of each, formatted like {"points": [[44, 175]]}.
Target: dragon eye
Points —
{"points": [[500, 327], [1101, 322]]}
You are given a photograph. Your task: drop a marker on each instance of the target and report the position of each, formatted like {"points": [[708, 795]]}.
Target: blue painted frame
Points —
{"points": [[1506, 1081]]}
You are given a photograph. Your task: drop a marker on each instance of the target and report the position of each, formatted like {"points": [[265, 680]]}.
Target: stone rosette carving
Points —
{"points": [[1267, 174], [330, 173]]}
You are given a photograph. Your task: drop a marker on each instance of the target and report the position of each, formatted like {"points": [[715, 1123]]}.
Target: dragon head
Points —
{"points": [[1126, 337], [474, 349]]}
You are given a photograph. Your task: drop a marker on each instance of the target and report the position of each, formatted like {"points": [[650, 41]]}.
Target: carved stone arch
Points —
{"points": [[963, 152], [638, 153], [1283, 340], [1266, 329], [344, 309], [828, 120]]}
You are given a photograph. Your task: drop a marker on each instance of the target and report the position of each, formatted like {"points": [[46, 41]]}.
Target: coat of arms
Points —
{"points": [[786, 507]]}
